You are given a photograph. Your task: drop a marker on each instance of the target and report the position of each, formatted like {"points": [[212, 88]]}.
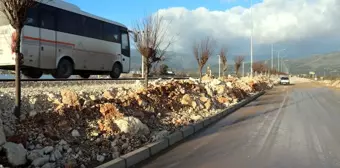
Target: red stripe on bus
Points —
{"points": [[49, 41], [59, 42]]}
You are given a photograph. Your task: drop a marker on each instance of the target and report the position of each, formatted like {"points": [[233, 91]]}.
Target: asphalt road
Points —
{"points": [[293, 126]]}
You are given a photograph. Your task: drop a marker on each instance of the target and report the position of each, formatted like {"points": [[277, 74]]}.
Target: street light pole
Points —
{"points": [[243, 69], [251, 39], [278, 59], [272, 56], [219, 66]]}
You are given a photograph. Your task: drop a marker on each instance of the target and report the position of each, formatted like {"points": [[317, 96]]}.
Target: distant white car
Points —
{"points": [[284, 80]]}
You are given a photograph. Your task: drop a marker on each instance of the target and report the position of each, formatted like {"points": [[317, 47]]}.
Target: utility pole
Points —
{"points": [[251, 39]]}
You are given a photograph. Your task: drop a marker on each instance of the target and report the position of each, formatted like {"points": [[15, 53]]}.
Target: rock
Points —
{"points": [[71, 163], [94, 133], [52, 158], [33, 113], [229, 85], [2, 134], [125, 145], [40, 161], [132, 126], [69, 97], [138, 84], [38, 146], [220, 89], [208, 105], [108, 95], [48, 149], [215, 82], [57, 154], [62, 142], [49, 165], [193, 104], [69, 150], [223, 100], [32, 155], [93, 97], [196, 117], [186, 100], [100, 158], [8, 131], [16, 153], [115, 155], [206, 78], [155, 136], [75, 133], [31, 147], [203, 99], [111, 110], [140, 101]]}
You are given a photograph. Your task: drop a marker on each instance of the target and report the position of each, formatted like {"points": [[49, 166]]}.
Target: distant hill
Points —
{"points": [[321, 64]]}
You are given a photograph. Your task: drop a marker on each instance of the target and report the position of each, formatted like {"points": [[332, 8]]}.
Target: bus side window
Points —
{"points": [[47, 17], [32, 17]]}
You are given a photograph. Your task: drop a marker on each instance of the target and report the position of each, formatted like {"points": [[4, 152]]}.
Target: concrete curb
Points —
{"points": [[152, 149]]}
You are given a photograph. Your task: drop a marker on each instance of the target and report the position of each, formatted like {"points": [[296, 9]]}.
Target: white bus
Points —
{"points": [[62, 40]]}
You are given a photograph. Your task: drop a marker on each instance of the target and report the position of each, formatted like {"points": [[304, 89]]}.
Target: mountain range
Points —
{"points": [[321, 64]]}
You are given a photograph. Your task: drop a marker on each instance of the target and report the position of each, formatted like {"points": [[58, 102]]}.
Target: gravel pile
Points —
{"points": [[87, 126]]}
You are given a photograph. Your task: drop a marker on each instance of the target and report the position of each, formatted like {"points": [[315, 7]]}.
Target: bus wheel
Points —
{"points": [[64, 69], [116, 71], [32, 73], [85, 75]]}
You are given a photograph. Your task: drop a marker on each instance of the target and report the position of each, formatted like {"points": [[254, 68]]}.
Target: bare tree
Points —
{"points": [[202, 52], [151, 33], [15, 12], [238, 62], [258, 67], [224, 60]]}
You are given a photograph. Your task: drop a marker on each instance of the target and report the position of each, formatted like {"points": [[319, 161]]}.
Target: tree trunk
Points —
{"points": [[200, 72], [237, 71], [146, 73], [17, 75]]}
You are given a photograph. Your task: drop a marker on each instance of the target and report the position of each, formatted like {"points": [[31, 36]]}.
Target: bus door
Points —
{"points": [[31, 35], [47, 37], [125, 50]]}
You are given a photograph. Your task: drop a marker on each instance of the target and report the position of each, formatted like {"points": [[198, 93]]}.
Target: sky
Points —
{"points": [[128, 11], [302, 27]]}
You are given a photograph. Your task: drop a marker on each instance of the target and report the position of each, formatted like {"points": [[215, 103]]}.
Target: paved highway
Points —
{"points": [[293, 126]]}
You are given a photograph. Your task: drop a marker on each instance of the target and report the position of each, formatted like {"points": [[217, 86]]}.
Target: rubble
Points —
{"points": [[331, 83], [83, 129]]}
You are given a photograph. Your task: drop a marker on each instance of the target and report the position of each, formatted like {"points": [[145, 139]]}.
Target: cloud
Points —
{"points": [[298, 24]]}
